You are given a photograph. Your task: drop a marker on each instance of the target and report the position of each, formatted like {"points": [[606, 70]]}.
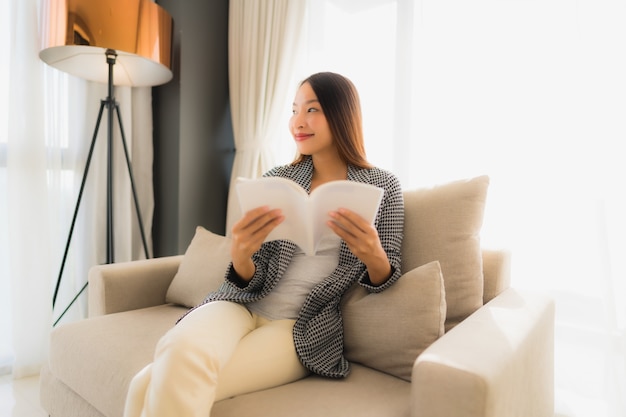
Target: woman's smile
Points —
{"points": [[302, 136]]}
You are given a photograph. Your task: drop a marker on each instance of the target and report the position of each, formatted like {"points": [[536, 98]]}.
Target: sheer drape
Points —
{"points": [[263, 42], [534, 95], [44, 139]]}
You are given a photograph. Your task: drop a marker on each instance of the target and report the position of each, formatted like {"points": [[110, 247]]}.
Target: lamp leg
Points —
{"points": [[110, 252], [70, 304], [78, 200]]}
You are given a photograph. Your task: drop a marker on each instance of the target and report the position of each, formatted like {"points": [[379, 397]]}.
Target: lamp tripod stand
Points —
{"points": [[113, 109]]}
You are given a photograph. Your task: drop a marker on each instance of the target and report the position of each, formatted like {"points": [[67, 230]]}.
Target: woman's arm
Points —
{"points": [[247, 236], [378, 246], [363, 241]]}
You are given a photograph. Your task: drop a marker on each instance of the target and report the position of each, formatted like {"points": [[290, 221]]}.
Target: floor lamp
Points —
{"points": [[117, 42]]}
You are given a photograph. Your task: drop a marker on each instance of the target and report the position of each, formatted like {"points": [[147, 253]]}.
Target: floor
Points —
{"points": [[20, 398]]}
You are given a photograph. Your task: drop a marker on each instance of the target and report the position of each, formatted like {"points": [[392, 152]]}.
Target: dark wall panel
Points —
{"points": [[193, 131]]}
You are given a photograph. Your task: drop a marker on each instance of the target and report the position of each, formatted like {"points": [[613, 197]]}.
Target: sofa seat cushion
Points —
{"points": [[364, 393], [98, 357]]}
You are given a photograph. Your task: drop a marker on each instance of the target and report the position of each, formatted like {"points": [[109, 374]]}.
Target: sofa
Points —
{"points": [[450, 338]]}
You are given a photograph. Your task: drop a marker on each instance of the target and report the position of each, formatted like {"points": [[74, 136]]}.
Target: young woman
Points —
{"points": [[277, 316]]}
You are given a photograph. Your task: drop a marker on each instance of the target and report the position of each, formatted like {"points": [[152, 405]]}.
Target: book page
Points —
{"points": [[278, 192], [361, 198]]}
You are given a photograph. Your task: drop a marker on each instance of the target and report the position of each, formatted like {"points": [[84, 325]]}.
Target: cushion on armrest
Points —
{"points": [[130, 285], [202, 268], [499, 361]]}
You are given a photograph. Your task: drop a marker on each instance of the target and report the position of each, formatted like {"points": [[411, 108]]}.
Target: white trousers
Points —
{"points": [[217, 351]]}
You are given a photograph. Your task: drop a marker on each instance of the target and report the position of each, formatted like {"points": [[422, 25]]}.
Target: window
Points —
{"points": [[5, 287], [532, 94]]}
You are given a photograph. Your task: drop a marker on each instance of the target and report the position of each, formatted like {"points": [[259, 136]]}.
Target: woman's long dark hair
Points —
{"points": [[340, 103]]}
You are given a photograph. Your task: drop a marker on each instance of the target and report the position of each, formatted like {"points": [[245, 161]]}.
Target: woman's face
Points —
{"points": [[308, 124]]}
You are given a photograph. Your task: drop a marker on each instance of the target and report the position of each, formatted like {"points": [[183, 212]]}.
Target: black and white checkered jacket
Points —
{"points": [[318, 331]]}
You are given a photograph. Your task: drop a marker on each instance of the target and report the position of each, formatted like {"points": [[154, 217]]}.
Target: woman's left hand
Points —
{"points": [[363, 241]]}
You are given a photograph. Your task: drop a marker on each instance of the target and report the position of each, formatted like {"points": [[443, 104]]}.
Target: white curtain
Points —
{"points": [[532, 93], [263, 44], [44, 139]]}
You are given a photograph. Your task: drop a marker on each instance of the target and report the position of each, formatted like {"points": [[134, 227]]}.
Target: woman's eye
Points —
{"points": [[312, 109]]}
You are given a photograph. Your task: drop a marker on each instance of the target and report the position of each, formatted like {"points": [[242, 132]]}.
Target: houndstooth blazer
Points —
{"points": [[318, 331]]}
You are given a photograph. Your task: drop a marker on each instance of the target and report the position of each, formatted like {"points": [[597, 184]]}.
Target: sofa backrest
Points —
{"points": [[496, 272]]}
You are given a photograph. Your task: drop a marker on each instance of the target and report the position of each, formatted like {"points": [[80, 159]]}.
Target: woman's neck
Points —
{"points": [[327, 170]]}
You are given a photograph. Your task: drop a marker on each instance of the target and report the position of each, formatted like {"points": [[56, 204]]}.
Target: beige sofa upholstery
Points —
{"points": [[496, 361]]}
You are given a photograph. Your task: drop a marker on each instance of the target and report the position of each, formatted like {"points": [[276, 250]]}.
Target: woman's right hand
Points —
{"points": [[247, 236]]}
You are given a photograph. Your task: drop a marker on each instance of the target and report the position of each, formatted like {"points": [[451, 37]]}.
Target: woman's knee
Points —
{"points": [[212, 331], [177, 340]]}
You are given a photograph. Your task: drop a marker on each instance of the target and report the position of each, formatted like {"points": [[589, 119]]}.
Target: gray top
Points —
{"points": [[303, 273]]}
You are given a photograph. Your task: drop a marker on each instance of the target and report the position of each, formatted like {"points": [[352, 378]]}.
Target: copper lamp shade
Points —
{"points": [[76, 34]]}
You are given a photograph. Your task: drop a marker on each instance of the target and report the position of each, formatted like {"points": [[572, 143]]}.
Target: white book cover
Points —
{"points": [[306, 215]]}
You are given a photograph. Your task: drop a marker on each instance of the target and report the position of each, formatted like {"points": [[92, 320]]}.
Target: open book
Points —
{"points": [[306, 215]]}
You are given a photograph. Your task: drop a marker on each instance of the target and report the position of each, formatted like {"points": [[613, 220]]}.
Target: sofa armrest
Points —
{"points": [[130, 285], [497, 362]]}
